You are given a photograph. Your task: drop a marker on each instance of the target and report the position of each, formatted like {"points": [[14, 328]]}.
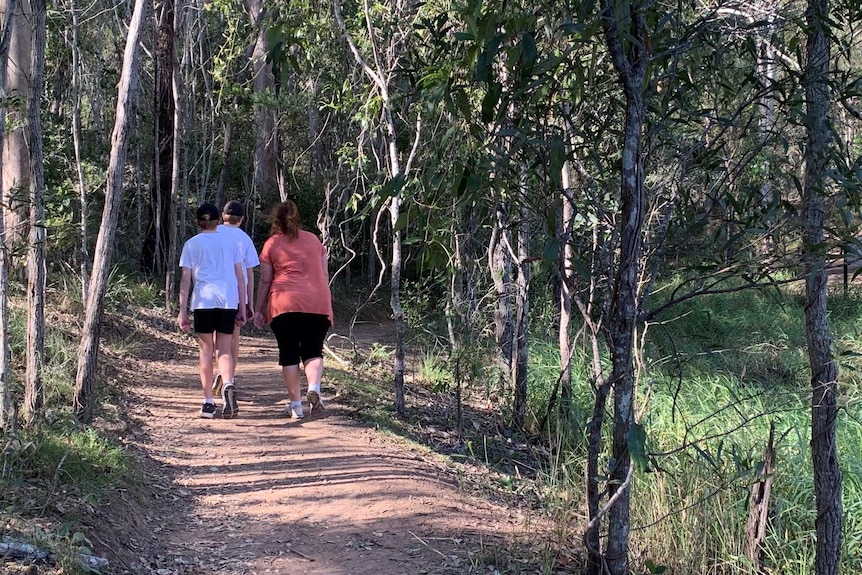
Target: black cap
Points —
{"points": [[233, 208], [207, 213]]}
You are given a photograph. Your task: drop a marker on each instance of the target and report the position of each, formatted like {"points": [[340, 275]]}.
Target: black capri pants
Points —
{"points": [[300, 336]]}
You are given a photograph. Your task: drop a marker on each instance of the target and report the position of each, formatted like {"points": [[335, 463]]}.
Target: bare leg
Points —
{"points": [[225, 360], [205, 364], [290, 373], [234, 347], [314, 371]]}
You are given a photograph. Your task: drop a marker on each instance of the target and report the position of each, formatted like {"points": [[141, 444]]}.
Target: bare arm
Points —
{"points": [[262, 293], [249, 284], [185, 285], [243, 301]]}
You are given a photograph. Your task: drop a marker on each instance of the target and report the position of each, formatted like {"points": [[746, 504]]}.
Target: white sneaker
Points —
{"points": [[313, 397], [294, 411]]}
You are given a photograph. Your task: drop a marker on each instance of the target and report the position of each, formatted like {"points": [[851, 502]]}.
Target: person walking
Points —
{"points": [[212, 263], [233, 216], [293, 297]]}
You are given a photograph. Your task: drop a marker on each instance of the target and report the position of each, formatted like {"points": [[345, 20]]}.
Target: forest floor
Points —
{"points": [[328, 494]]}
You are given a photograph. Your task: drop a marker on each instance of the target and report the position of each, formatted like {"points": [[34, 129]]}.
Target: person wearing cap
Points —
{"points": [[212, 263], [294, 299], [233, 215]]}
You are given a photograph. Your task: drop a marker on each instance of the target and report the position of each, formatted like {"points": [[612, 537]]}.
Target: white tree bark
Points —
{"points": [[16, 160], [5, 400], [88, 350]]}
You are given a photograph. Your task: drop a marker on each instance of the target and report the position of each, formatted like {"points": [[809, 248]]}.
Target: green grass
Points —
{"points": [[53, 471]]}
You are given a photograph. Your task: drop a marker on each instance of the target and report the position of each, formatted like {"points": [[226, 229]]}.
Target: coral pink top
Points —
{"points": [[299, 283]]}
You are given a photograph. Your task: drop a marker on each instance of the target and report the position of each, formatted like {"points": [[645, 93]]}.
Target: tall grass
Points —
{"points": [[717, 374]]}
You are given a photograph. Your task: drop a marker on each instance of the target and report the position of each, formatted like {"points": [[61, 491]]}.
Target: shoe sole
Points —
{"points": [[206, 415], [217, 385], [289, 413], [231, 408], [313, 398]]}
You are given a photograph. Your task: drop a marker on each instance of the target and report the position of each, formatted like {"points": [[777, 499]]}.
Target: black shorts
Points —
{"points": [[212, 320], [299, 336]]}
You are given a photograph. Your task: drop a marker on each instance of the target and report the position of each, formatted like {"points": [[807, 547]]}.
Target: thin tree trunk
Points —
{"points": [[84, 253], [221, 186], [88, 350], [397, 174], [625, 32], [6, 410], [178, 137], [500, 267], [824, 370], [34, 394], [522, 320], [566, 284]]}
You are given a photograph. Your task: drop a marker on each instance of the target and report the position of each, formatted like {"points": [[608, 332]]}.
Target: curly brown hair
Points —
{"points": [[285, 219]]}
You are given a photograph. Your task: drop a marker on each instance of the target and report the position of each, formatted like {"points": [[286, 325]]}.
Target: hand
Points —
{"points": [[249, 313], [258, 320], [240, 317], [183, 320]]}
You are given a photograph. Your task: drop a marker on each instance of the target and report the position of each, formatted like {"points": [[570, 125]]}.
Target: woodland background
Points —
{"points": [[580, 210]]}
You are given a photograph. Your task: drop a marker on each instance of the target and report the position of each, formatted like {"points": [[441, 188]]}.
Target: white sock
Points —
{"points": [[296, 404], [314, 387], [209, 400]]}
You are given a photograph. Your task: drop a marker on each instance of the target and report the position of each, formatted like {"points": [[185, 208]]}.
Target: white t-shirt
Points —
{"points": [[246, 246], [211, 257]]}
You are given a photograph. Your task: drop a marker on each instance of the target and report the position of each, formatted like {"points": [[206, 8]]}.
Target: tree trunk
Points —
{"points": [[758, 504], [6, 410], [625, 32], [500, 267], [154, 254], [397, 174], [84, 255], [567, 274], [33, 387], [16, 159], [176, 160], [88, 350], [824, 370], [266, 151], [522, 320]]}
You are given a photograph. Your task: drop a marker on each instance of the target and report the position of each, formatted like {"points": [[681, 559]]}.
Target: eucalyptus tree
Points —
{"points": [[6, 408], [34, 394], [16, 172], [88, 350], [815, 212], [268, 175], [154, 253], [389, 26]]}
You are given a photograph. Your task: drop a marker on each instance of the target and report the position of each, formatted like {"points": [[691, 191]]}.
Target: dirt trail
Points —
{"points": [[264, 494]]}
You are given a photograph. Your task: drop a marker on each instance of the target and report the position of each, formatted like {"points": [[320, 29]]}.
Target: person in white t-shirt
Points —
{"points": [[233, 216], [212, 262]]}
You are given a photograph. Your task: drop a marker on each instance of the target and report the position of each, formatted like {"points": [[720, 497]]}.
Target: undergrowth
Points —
{"points": [[54, 472], [716, 374]]}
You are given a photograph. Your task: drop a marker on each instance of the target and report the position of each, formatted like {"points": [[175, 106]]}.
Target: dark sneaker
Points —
{"points": [[208, 410], [217, 384], [313, 398], [230, 409]]}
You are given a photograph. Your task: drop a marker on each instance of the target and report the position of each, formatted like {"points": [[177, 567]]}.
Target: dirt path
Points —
{"points": [[263, 494]]}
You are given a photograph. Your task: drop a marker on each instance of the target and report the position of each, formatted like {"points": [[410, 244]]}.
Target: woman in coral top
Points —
{"points": [[294, 299]]}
